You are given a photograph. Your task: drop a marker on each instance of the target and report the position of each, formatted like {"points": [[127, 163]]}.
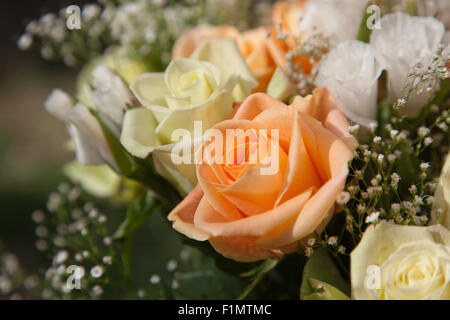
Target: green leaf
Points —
{"points": [[324, 291], [205, 281], [322, 267], [138, 212], [264, 267], [122, 158], [363, 31], [258, 274], [227, 265], [411, 8]]}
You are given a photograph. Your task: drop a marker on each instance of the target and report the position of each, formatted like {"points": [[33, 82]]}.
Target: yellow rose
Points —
{"points": [[442, 197], [201, 88], [395, 262]]}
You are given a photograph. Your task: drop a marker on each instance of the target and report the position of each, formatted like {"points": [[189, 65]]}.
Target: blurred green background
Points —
{"points": [[31, 141]]}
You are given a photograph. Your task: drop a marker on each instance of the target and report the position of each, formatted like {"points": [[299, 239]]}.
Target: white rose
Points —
{"points": [[411, 263]]}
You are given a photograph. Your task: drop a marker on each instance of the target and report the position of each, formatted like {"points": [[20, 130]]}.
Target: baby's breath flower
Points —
{"points": [[396, 207], [96, 291], [423, 131], [25, 41], [360, 208], [343, 198], [332, 240], [427, 141], [311, 242], [391, 157], [353, 189], [175, 284], [429, 200], [373, 217], [107, 241], [61, 256], [41, 231], [38, 216], [42, 245], [155, 279], [380, 158], [107, 260], [171, 265], [354, 129], [393, 133], [96, 272]]}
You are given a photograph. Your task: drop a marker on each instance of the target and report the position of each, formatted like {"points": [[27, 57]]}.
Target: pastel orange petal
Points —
{"points": [[182, 215], [255, 193], [322, 106], [241, 249], [328, 153], [310, 217], [209, 220], [301, 173], [189, 40], [255, 104]]}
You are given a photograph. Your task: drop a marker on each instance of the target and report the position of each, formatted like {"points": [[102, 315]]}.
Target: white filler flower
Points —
{"points": [[350, 73], [401, 43]]}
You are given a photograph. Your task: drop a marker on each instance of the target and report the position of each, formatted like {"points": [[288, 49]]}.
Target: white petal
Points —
{"points": [[111, 96], [338, 19], [58, 104], [85, 152], [402, 42], [350, 73], [85, 122]]}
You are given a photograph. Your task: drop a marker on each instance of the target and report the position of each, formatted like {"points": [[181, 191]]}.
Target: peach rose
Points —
{"points": [[288, 15], [260, 47], [262, 54], [248, 216]]}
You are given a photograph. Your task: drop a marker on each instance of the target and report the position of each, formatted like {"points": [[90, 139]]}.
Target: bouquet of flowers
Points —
{"points": [[285, 149]]}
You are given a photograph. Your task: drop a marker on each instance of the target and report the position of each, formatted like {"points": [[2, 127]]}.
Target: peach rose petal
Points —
{"points": [[206, 218], [188, 41], [322, 106], [259, 57], [208, 181], [255, 104], [328, 153], [301, 173], [183, 215], [288, 14], [254, 193], [242, 249], [310, 217]]}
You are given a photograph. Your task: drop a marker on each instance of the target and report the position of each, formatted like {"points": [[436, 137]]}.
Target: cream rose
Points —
{"points": [[201, 88], [395, 262]]}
